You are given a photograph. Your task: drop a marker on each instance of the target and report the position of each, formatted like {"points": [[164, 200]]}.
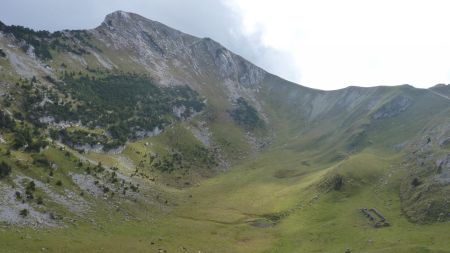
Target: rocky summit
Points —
{"points": [[134, 136]]}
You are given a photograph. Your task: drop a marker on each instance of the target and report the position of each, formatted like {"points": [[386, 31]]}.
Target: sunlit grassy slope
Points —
{"points": [[294, 213]]}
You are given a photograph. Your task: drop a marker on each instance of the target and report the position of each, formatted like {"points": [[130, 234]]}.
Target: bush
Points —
{"points": [[416, 182], [22, 138], [5, 170], [334, 182], [41, 160], [24, 212], [245, 115], [6, 122], [39, 201], [338, 182], [31, 187]]}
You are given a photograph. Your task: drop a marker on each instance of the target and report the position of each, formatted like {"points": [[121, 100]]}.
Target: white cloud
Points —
{"points": [[333, 44]]}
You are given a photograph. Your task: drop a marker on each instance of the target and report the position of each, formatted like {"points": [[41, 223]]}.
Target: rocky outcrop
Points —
{"points": [[392, 108], [150, 41], [443, 170], [444, 143], [426, 186], [10, 211], [228, 65]]}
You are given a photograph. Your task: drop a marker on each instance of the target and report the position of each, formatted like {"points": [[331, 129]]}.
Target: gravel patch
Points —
{"points": [[70, 200], [10, 211], [86, 183]]}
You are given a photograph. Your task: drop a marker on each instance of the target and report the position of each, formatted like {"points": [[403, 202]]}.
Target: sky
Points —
{"points": [[325, 44]]}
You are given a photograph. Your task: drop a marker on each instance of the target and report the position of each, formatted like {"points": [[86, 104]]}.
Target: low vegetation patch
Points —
{"points": [[43, 42], [246, 115], [5, 169], [127, 106], [333, 182]]}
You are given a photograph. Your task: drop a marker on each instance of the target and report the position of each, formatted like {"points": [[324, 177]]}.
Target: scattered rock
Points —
{"points": [[392, 108]]}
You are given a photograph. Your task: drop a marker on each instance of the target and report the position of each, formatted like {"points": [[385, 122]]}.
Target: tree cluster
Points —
{"points": [[245, 115]]}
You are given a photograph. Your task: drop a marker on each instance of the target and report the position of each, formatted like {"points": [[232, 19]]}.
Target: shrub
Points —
{"points": [[5, 170], [24, 212], [39, 201], [338, 182], [41, 160], [416, 182], [6, 122], [31, 186], [245, 115], [29, 189]]}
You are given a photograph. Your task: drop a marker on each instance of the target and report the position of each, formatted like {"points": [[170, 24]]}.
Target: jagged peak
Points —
{"points": [[152, 39], [120, 16], [128, 21], [122, 19]]}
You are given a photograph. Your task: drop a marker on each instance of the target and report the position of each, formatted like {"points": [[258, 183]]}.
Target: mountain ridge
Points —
{"points": [[148, 127]]}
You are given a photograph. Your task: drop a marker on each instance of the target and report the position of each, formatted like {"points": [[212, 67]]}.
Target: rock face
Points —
{"points": [[150, 41], [426, 187], [392, 108], [176, 58], [130, 30], [443, 168], [229, 66], [445, 142], [10, 211]]}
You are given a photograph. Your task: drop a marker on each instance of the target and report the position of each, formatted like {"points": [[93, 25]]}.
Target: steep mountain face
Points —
{"points": [[173, 57], [134, 116]]}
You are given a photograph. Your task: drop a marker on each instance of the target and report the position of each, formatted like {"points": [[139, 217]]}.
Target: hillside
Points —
{"points": [[136, 136]]}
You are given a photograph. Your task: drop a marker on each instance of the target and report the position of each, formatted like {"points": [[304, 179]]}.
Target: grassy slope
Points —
{"points": [[215, 218], [281, 182]]}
